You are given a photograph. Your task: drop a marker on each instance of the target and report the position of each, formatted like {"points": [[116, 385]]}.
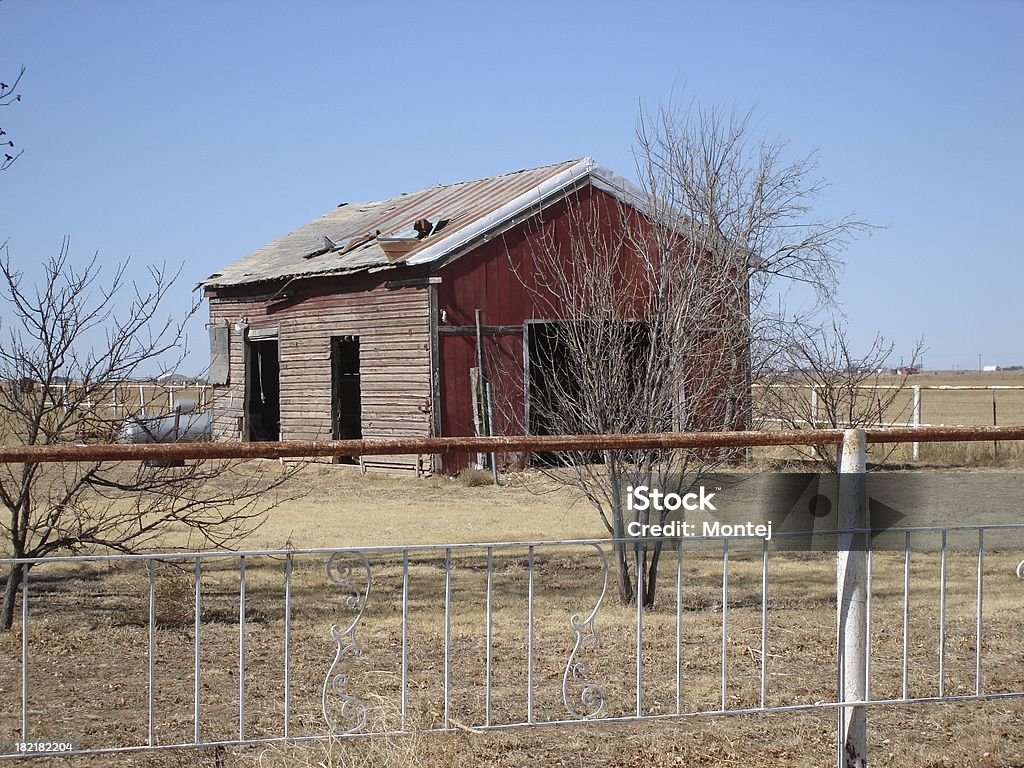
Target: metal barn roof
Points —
{"points": [[414, 228]]}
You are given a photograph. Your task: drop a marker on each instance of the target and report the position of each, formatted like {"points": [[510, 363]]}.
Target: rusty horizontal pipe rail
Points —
{"points": [[905, 387], [510, 444]]}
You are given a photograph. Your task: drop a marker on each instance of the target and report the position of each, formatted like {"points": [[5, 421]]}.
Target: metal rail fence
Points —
{"points": [[499, 444], [278, 645], [384, 640], [131, 397]]}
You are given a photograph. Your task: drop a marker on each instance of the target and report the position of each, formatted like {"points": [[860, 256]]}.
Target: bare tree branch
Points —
{"points": [[9, 95], [819, 382], [71, 341]]}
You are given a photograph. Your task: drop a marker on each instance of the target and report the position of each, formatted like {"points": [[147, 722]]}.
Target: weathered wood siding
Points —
{"points": [[393, 331], [228, 399]]}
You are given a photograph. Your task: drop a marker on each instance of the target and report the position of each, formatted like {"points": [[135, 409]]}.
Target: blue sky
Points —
{"points": [[193, 132]]}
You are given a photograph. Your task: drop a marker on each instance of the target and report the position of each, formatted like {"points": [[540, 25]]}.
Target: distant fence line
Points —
{"points": [[797, 385], [915, 405], [133, 396]]}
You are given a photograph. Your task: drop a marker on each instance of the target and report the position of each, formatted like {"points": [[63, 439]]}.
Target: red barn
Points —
{"points": [[370, 321]]}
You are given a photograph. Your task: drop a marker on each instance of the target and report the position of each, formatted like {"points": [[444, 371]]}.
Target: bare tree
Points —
{"points": [[820, 382], [669, 307], [9, 95], [70, 341], [644, 344]]}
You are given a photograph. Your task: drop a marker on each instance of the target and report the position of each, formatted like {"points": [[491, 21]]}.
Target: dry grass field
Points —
{"points": [[108, 406], [89, 629], [966, 407]]}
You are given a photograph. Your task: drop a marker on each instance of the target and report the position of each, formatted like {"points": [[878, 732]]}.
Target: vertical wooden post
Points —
{"points": [[490, 428], [479, 318], [995, 423], [851, 603], [433, 307], [915, 447], [479, 391]]}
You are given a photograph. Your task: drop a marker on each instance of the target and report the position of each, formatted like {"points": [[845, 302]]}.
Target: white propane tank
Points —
{"points": [[182, 426]]}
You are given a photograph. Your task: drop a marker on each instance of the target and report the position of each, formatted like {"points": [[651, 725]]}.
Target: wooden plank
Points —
{"points": [[435, 364], [385, 315], [379, 372], [486, 330], [326, 329], [416, 282]]}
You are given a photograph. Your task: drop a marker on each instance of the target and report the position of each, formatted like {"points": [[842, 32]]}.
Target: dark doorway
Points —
{"points": [[346, 405], [552, 377], [544, 351], [561, 357], [263, 390]]}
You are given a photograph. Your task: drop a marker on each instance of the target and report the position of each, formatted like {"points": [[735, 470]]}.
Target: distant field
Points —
{"points": [[959, 406], [966, 407], [109, 406]]}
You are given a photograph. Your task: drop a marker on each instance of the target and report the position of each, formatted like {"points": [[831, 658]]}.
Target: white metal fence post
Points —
{"points": [[851, 593], [915, 447], [814, 416]]}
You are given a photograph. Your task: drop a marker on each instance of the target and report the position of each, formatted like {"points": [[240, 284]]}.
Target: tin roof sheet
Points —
{"points": [[472, 208]]}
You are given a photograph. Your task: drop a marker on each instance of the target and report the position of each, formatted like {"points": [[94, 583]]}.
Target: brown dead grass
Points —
{"points": [[88, 642], [343, 508]]}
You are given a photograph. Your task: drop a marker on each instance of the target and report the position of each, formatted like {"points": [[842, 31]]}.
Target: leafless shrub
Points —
{"points": [[820, 383], [70, 341]]}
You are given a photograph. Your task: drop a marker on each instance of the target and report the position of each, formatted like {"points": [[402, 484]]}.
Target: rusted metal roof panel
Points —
{"points": [[345, 239]]}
